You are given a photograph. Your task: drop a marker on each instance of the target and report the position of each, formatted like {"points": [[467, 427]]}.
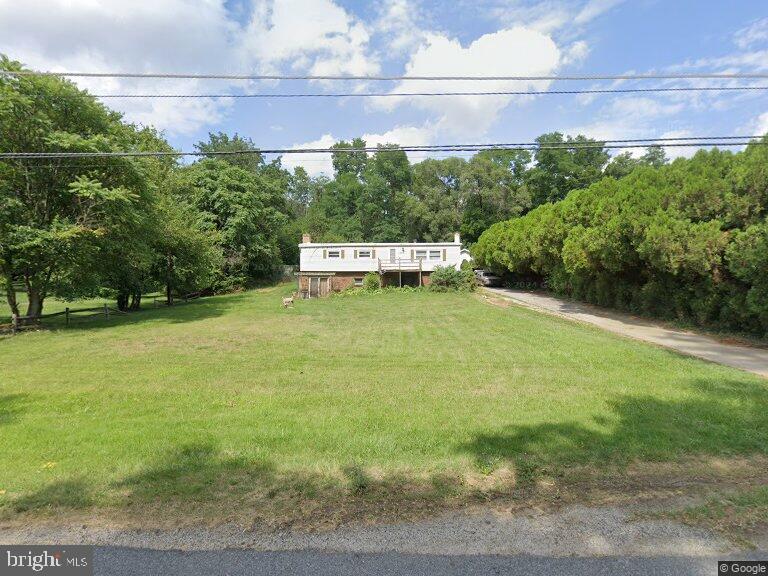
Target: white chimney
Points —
{"points": [[456, 238], [306, 238]]}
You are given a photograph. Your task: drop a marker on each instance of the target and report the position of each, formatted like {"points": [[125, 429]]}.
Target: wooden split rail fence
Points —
{"points": [[19, 323]]}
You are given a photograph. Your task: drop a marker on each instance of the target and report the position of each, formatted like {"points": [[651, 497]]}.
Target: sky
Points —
{"points": [[404, 37]]}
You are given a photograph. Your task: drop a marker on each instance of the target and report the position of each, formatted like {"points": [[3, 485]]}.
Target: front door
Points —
{"points": [[314, 287], [392, 254], [325, 286]]}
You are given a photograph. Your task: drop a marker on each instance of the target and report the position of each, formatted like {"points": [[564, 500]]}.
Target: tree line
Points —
{"points": [[685, 241], [385, 198], [124, 227]]}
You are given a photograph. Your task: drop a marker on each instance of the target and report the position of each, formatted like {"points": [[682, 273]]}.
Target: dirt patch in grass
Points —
{"points": [[493, 300]]}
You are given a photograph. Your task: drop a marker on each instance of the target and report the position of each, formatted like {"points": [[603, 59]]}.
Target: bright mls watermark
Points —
{"points": [[54, 560]]}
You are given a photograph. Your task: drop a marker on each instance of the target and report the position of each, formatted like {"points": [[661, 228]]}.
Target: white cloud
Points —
{"points": [[576, 53], [593, 9], [107, 36], [398, 23], [315, 164], [320, 163], [313, 35], [567, 18], [673, 152], [760, 125], [752, 60], [545, 17], [755, 33], [403, 135], [513, 52], [630, 117], [192, 36]]}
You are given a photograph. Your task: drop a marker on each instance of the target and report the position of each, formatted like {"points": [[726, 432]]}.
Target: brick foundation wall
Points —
{"points": [[339, 281], [343, 280]]}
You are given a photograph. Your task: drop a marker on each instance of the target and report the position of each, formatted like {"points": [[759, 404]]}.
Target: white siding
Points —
{"points": [[312, 259]]}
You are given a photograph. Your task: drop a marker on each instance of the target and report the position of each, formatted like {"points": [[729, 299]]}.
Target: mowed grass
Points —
{"points": [[54, 305], [233, 408]]}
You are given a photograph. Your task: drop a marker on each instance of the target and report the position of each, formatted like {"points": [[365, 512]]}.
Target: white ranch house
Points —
{"points": [[326, 267]]}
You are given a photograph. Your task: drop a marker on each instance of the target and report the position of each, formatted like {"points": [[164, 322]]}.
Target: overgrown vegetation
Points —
{"points": [[684, 241], [448, 278], [371, 281]]}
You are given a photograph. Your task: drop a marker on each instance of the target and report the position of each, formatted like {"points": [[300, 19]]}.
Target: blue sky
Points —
{"points": [[490, 37]]}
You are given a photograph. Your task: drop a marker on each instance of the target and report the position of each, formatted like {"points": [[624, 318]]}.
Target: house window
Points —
{"points": [[334, 254], [364, 254], [358, 281], [421, 254], [434, 254]]}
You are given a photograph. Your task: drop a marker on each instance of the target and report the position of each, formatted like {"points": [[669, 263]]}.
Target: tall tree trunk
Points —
{"points": [[122, 301], [135, 301], [10, 295], [35, 304], [169, 280]]}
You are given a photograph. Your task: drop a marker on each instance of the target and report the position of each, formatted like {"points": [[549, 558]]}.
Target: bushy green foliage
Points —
{"points": [[371, 281], [445, 278], [383, 198], [361, 291], [246, 208], [126, 226], [684, 241]]}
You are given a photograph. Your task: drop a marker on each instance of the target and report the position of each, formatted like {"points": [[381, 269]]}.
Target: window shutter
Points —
{"points": [[443, 254], [373, 253], [411, 253], [342, 253], [325, 254], [355, 254]]}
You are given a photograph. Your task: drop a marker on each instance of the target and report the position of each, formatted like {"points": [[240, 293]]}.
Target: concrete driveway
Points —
{"points": [[743, 357]]}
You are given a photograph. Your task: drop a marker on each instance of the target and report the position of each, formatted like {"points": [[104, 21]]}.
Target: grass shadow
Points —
{"points": [[212, 307], [199, 483], [11, 406], [73, 494], [196, 472], [718, 419]]}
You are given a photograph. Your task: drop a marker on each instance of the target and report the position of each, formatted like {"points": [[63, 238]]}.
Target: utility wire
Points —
{"points": [[639, 143], [650, 76], [479, 93]]}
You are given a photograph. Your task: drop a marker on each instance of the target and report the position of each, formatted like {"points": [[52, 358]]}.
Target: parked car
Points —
{"points": [[487, 278]]}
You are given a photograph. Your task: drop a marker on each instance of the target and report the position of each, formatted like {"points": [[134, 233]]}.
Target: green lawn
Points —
{"points": [[235, 408], [53, 305]]}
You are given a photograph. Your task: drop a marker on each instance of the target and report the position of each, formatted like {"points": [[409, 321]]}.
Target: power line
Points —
{"points": [[649, 76], [478, 93], [532, 146]]}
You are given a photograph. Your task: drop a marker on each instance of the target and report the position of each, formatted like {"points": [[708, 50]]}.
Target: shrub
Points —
{"points": [[448, 278], [371, 281], [685, 241]]}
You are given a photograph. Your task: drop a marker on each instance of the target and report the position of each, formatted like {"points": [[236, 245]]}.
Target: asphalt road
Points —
{"points": [[144, 562]]}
